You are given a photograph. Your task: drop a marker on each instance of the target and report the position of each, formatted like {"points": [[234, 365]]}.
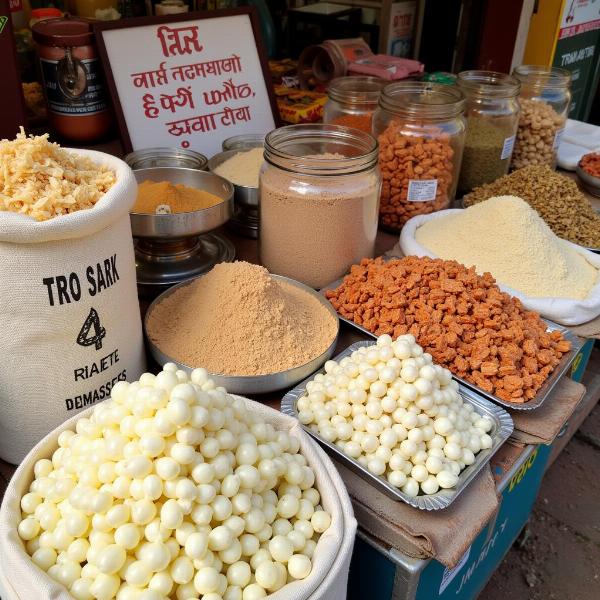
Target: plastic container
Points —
{"points": [[319, 190], [421, 132], [352, 101], [545, 100], [492, 115], [72, 78]]}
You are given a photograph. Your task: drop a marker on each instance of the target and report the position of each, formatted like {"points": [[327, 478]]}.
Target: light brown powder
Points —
{"points": [[313, 228], [237, 320]]}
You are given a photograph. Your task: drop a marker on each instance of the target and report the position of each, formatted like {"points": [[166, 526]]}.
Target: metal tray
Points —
{"points": [[252, 384], [501, 430], [548, 385]]}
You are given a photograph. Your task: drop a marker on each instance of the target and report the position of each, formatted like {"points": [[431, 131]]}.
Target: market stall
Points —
{"points": [[276, 363]]}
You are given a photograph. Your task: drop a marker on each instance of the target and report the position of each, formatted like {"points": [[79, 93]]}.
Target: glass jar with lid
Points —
{"points": [[319, 192], [492, 117], [352, 101], [545, 99], [421, 132]]}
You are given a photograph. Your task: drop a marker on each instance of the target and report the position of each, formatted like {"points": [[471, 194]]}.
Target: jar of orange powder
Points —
{"points": [[352, 101]]}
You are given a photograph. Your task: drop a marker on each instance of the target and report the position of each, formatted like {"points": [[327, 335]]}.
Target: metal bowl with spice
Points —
{"points": [[166, 157], [245, 218], [171, 248], [250, 384]]}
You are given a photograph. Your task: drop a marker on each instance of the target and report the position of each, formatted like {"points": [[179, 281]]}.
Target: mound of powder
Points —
{"points": [[506, 237], [238, 320], [242, 168]]}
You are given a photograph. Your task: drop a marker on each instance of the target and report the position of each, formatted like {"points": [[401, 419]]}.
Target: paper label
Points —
{"points": [[557, 138], [422, 190], [507, 148], [450, 574]]}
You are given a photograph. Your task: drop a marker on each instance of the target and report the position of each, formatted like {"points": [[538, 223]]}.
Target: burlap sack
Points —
{"points": [[70, 324], [23, 580]]}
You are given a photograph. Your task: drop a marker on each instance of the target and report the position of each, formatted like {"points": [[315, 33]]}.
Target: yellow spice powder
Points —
{"points": [[180, 198]]}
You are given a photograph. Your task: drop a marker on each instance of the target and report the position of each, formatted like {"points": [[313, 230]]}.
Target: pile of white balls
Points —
{"points": [[399, 415], [173, 489]]}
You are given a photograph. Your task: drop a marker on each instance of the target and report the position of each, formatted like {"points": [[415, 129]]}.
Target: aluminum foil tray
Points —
{"points": [[501, 430]]}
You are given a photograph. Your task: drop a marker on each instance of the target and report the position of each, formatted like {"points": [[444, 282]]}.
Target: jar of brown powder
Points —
{"points": [[319, 196]]}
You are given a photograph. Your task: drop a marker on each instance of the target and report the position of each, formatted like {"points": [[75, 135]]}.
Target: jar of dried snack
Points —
{"points": [[319, 192], [545, 99], [421, 132], [492, 115], [352, 101]]}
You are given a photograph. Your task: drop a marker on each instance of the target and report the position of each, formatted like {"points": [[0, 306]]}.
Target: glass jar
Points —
{"points": [[545, 99], [352, 101], [492, 115], [421, 132], [319, 192]]}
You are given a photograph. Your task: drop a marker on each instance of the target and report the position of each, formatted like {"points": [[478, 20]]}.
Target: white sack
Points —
{"points": [[23, 580], [52, 364], [560, 310]]}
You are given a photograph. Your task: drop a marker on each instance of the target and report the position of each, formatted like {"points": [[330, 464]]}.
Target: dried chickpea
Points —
{"points": [[538, 134]]}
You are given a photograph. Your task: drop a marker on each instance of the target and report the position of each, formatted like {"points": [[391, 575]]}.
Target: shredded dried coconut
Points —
{"points": [[40, 179], [506, 237], [238, 320]]}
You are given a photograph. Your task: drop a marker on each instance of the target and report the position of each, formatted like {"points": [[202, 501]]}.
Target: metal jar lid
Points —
{"points": [[166, 157], [64, 32]]}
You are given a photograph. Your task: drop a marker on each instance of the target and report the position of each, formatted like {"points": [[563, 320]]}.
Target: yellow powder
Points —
{"points": [[506, 237], [180, 198]]}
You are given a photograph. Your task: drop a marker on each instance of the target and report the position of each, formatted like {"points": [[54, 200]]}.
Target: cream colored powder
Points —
{"points": [[506, 237], [242, 168]]}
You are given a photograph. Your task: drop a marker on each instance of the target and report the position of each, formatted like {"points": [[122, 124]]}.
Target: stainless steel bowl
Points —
{"points": [[244, 141], [258, 384], [188, 224], [166, 157], [245, 196], [589, 182]]}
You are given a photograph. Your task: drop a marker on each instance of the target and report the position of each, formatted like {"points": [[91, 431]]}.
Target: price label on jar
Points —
{"points": [[557, 138], [507, 148], [422, 190]]}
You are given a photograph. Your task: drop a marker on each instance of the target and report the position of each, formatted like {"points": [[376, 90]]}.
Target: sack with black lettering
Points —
{"points": [[70, 324]]}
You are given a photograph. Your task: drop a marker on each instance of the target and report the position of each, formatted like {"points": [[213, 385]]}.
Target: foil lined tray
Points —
{"points": [[542, 394], [501, 430]]}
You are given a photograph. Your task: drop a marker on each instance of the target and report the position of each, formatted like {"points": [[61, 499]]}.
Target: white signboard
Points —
{"points": [[184, 81], [401, 27]]}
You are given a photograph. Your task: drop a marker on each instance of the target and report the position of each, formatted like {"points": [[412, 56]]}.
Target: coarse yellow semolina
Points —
{"points": [[506, 237]]}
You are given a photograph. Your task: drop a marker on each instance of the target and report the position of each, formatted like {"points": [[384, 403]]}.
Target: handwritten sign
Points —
{"points": [[187, 81]]}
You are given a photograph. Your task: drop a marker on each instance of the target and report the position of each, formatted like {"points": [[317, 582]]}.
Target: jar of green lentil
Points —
{"points": [[492, 116]]}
